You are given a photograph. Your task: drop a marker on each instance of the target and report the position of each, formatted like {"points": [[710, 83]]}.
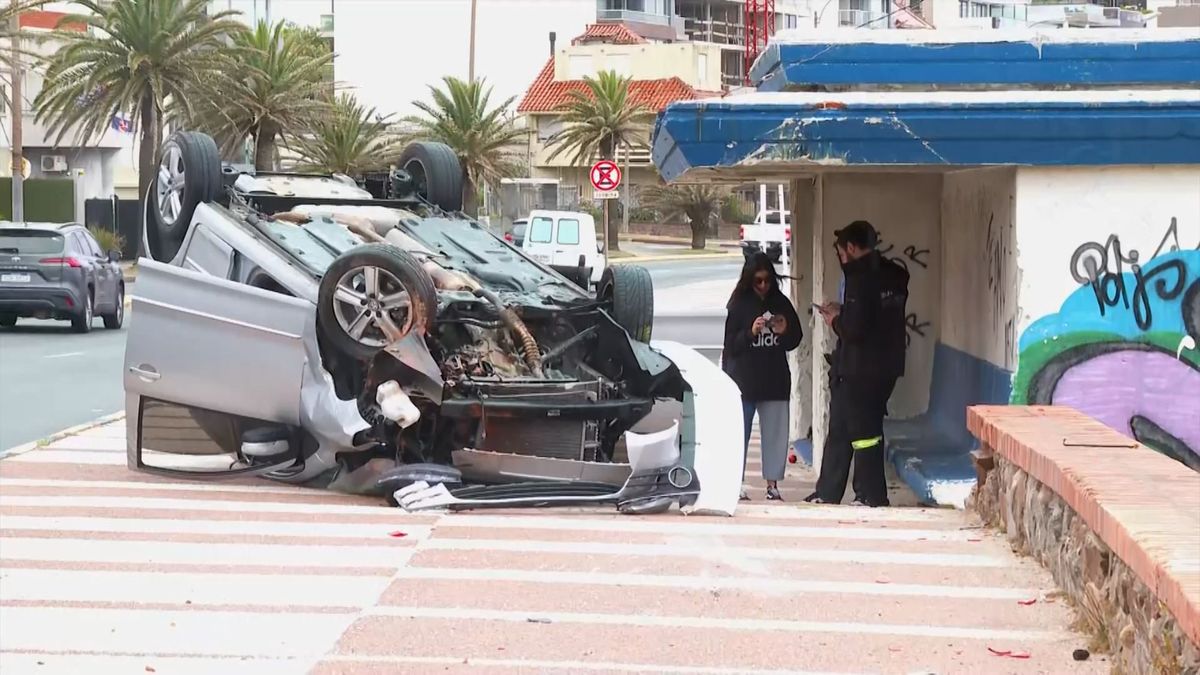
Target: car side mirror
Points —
{"points": [[114, 256]]}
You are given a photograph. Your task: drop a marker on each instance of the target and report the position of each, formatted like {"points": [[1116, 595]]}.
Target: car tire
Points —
{"points": [[8, 320], [83, 322], [436, 172], [191, 158], [628, 291], [114, 320], [395, 271]]}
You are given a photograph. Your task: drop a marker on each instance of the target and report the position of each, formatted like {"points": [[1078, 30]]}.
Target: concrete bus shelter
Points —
{"points": [[1041, 187]]}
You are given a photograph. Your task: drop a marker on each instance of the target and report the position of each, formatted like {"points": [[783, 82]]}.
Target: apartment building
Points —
{"points": [[100, 166], [662, 71]]}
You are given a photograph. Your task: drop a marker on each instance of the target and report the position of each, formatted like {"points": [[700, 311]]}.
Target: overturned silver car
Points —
{"points": [[301, 328]]}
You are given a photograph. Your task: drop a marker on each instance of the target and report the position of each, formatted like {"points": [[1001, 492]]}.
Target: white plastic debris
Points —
{"points": [[395, 404]]}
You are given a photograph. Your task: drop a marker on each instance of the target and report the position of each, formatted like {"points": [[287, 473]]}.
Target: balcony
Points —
{"points": [[862, 18], [632, 16]]}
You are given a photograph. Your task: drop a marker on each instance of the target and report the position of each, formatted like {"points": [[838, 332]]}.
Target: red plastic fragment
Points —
{"points": [[1027, 602], [999, 652], [397, 533]]}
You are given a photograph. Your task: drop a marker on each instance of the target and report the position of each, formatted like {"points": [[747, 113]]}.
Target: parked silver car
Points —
{"points": [[300, 328], [57, 271]]}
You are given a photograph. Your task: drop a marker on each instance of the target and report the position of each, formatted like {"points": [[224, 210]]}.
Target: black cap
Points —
{"points": [[860, 233]]}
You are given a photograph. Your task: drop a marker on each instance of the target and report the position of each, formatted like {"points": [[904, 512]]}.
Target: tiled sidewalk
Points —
{"points": [[104, 570]]}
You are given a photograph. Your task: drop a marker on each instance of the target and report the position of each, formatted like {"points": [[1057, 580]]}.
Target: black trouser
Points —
{"points": [[856, 411]]}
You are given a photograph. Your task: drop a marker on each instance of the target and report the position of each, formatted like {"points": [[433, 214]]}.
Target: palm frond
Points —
{"points": [[351, 139], [600, 118]]}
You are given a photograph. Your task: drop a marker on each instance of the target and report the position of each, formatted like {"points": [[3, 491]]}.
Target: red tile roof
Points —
{"points": [[48, 21], [547, 95], [612, 33]]}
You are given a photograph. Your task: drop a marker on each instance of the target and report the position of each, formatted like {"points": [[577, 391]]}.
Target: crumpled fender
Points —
{"points": [[409, 362]]}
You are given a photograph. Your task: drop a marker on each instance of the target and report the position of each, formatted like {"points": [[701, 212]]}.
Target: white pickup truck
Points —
{"points": [[770, 232]]}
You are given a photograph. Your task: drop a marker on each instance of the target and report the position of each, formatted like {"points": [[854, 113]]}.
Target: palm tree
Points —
{"points": [[481, 136], [351, 139], [596, 121], [139, 55], [699, 203], [278, 92]]}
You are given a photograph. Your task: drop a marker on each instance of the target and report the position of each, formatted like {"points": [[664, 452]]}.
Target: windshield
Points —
{"points": [[33, 242]]}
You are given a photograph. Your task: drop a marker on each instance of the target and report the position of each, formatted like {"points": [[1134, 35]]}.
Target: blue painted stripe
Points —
{"points": [[784, 66], [723, 134]]}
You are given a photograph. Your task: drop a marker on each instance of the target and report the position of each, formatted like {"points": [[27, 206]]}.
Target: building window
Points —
{"points": [[547, 127], [581, 66], [701, 68]]}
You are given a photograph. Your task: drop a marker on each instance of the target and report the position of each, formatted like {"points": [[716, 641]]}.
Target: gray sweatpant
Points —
{"points": [[773, 426]]}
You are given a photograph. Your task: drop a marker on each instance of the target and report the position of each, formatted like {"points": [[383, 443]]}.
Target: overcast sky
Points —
{"points": [[391, 50]]}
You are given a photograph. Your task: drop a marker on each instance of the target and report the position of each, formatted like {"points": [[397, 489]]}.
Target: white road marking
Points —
{"points": [[196, 589], [162, 503], [187, 553], [772, 585], [690, 527], [715, 551], [84, 525], [183, 632], [701, 623], [570, 666], [53, 663], [265, 488], [64, 355]]}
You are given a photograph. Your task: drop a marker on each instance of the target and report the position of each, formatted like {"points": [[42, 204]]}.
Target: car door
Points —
{"points": [[566, 242], [539, 239], [106, 286], [206, 361]]}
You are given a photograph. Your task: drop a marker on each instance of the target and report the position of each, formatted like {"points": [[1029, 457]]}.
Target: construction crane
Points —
{"points": [[760, 26]]}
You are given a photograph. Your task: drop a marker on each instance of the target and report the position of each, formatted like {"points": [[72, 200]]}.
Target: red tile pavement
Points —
{"points": [[1144, 505], [103, 570]]}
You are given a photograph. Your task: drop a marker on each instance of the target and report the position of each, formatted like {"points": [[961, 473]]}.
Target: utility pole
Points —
{"points": [[471, 62], [18, 107]]}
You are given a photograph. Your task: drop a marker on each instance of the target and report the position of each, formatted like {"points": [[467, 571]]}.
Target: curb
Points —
{"points": [[59, 435], [662, 239], [666, 258]]}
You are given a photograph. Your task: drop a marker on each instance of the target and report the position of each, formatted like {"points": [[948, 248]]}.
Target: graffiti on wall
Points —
{"points": [[1123, 347], [997, 252]]}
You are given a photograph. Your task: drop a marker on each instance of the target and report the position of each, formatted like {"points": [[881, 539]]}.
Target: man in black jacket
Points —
{"points": [[866, 363]]}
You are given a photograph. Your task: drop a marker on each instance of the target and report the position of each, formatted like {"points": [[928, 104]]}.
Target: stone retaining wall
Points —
{"points": [[1123, 615]]}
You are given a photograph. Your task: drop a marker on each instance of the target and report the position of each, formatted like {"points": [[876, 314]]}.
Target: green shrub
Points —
{"points": [[108, 239], [644, 214], [731, 211]]}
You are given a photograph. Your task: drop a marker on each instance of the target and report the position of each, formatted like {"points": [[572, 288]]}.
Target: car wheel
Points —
{"points": [[113, 321], [83, 322], [8, 320], [371, 296], [436, 172], [628, 291], [189, 173]]}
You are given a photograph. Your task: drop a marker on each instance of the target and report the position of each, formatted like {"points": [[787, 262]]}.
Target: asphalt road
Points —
{"points": [[674, 273], [53, 378]]}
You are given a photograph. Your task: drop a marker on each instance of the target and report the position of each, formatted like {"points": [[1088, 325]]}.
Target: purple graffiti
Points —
{"points": [[1164, 390]]}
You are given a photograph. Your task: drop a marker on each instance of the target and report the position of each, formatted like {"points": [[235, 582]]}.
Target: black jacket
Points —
{"points": [[871, 326], [758, 363]]}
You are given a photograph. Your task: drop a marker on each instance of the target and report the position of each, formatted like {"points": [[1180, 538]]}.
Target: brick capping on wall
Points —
{"points": [[1143, 505]]}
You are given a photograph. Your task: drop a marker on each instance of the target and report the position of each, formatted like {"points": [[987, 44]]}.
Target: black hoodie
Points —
{"points": [[870, 328], [758, 363]]}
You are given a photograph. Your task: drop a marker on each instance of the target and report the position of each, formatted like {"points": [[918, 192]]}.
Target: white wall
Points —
{"points": [[979, 264], [1060, 209], [906, 209]]}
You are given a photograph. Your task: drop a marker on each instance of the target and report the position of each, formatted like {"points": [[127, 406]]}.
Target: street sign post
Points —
{"points": [[606, 178]]}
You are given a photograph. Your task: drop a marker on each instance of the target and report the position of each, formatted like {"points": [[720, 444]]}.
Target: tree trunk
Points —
{"points": [[699, 233], [470, 198], [264, 148], [148, 144]]}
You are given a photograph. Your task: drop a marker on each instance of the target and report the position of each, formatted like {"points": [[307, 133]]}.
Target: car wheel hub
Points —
{"points": [[372, 306], [170, 184]]}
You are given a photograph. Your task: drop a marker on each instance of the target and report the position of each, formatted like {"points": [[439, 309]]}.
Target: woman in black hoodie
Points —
{"points": [[760, 329]]}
